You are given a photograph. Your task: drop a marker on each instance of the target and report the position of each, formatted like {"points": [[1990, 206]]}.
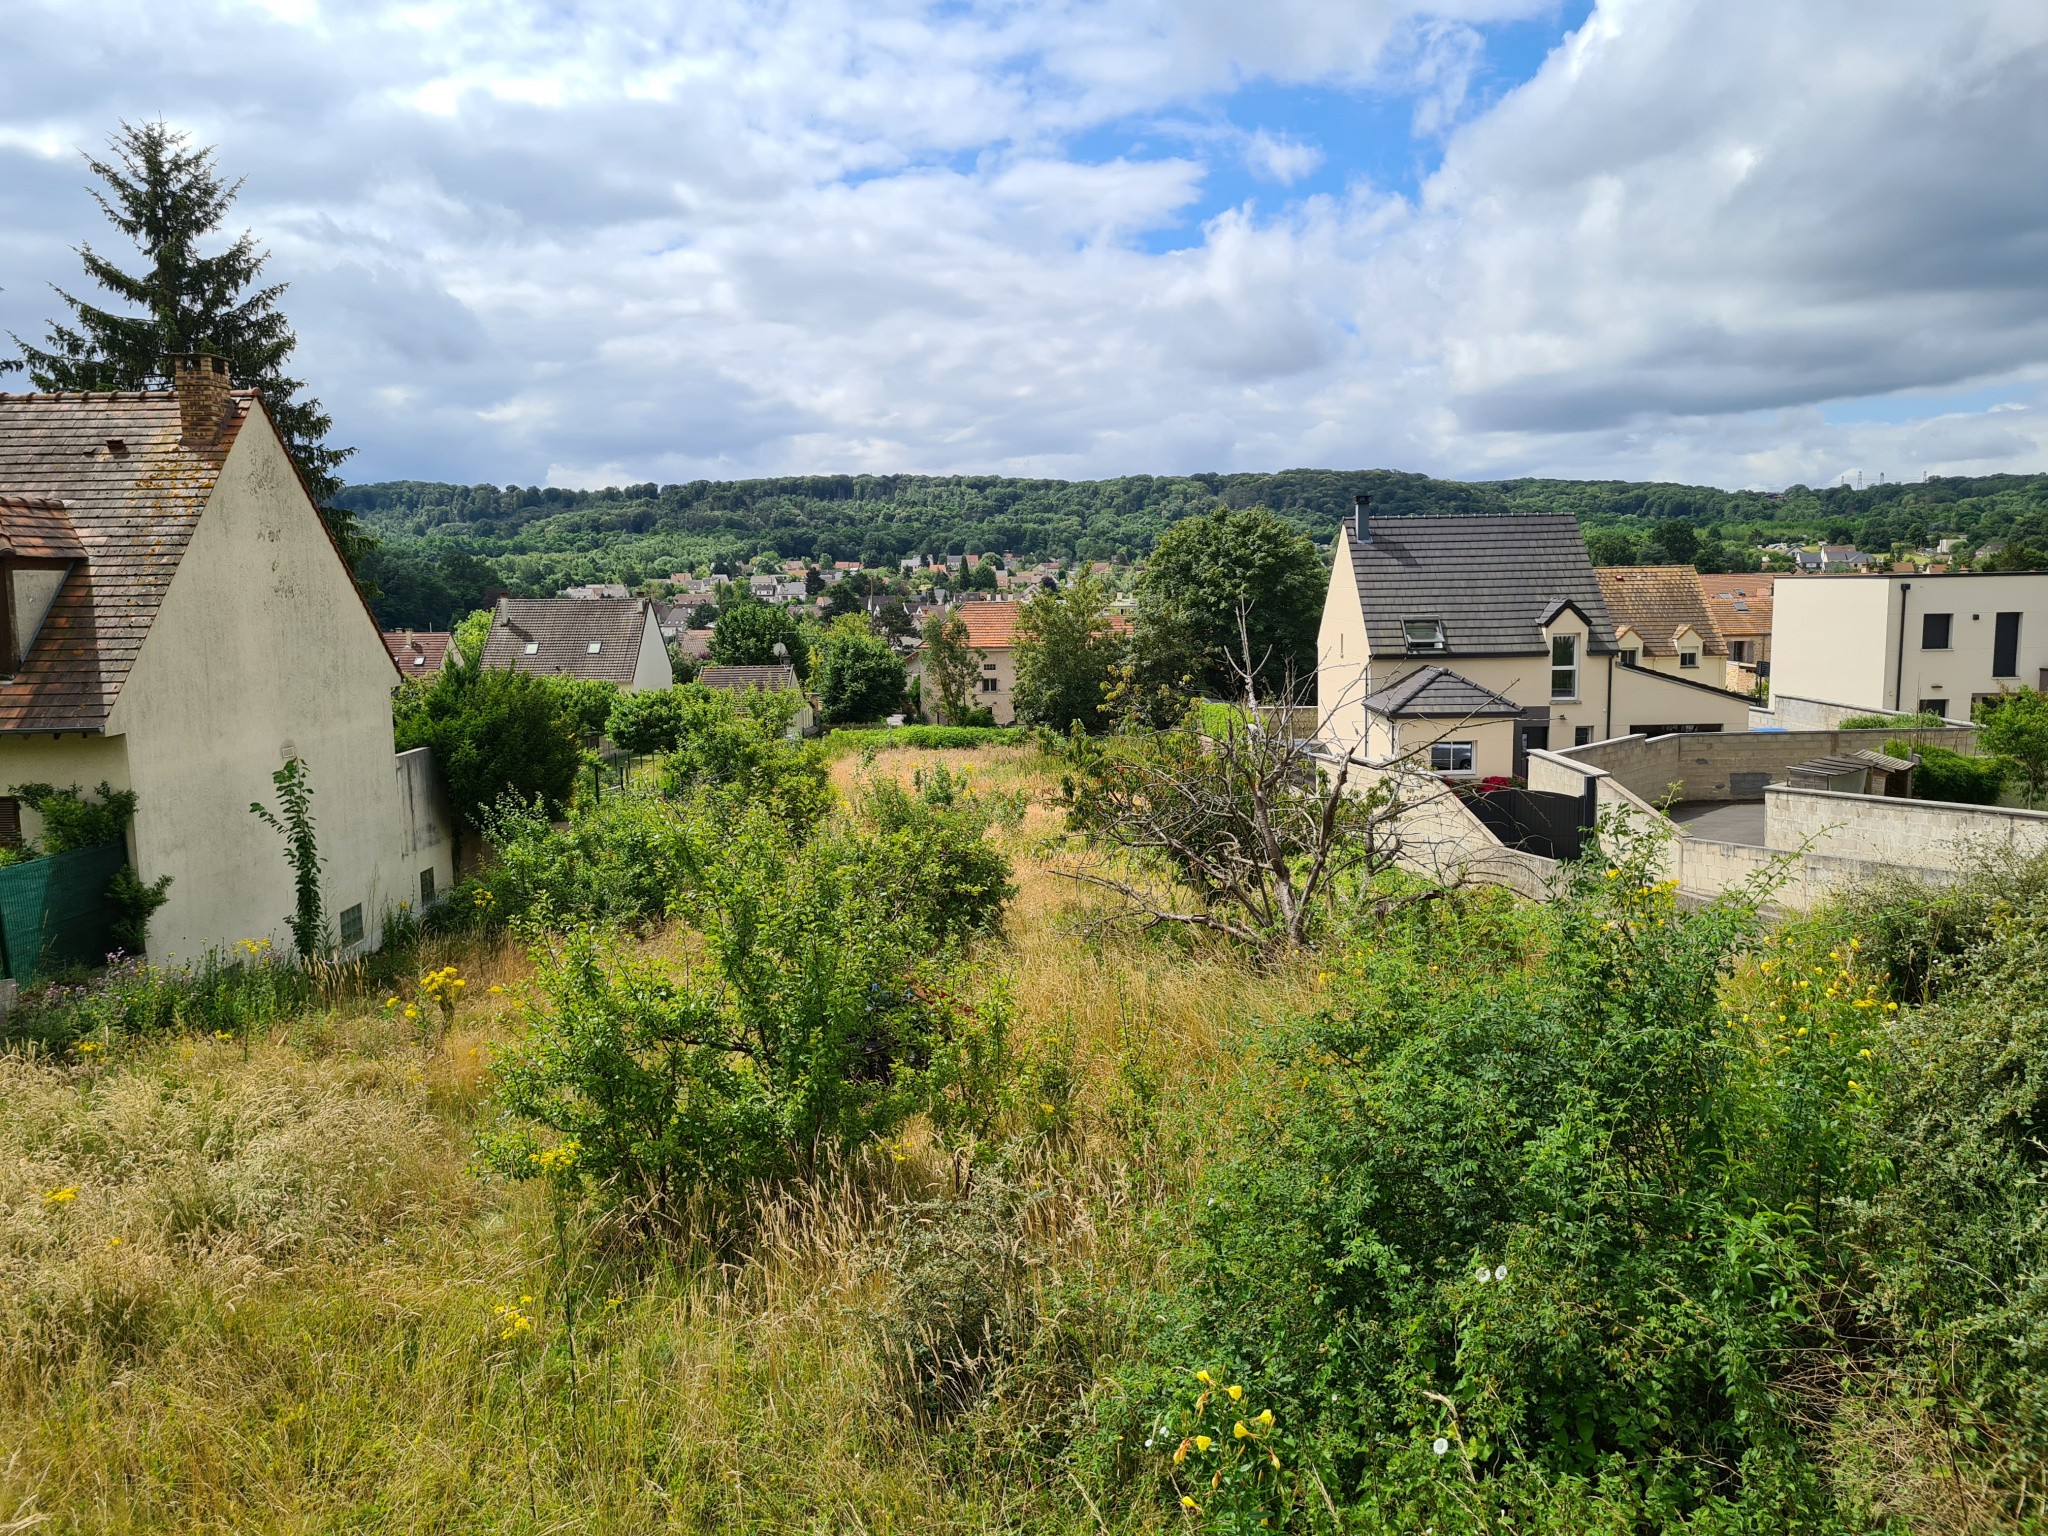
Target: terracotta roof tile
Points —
{"points": [[1741, 605], [993, 626], [132, 492], [417, 652], [1656, 601]]}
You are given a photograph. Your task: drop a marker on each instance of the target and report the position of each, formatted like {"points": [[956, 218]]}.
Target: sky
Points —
{"points": [[578, 242]]}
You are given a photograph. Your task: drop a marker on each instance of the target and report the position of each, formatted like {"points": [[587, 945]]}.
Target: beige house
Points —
{"points": [[1908, 642], [180, 624], [1504, 612], [992, 632], [613, 640], [1662, 622]]}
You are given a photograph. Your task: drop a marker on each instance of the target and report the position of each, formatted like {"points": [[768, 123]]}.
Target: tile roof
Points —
{"points": [[554, 635], [35, 528], [132, 491], [1489, 579], [993, 626], [1741, 605], [417, 653], [774, 679], [1435, 692], [1656, 601]]}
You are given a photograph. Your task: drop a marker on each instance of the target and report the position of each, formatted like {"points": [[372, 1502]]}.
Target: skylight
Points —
{"points": [[1423, 634]]}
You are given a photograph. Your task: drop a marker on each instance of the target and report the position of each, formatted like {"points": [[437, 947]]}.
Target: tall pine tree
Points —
{"points": [[166, 196]]}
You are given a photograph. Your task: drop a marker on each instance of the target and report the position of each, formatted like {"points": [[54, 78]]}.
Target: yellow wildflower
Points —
{"points": [[1236, 1394], [1203, 1442], [1266, 1418], [1190, 1505], [1240, 1431], [62, 1196], [1205, 1378]]}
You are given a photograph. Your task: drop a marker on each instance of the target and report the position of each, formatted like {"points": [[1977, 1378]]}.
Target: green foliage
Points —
{"points": [[747, 633], [814, 1026], [737, 745], [294, 822], [619, 860], [930, 855], [1923, 721], [585, 702], [494, 734], [2013, 727], [648, 721], [469, 633], [132, 998], [136, 904], [1065, 655], [167, 196], [71, 822], [859, 674], [1207, 572], [926, 738], [1953, 776]]}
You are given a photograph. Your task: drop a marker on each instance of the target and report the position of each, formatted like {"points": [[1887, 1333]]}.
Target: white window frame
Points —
{"points": [[1688, 661], [1568, 668], [1446, 767], [1431, 640]]}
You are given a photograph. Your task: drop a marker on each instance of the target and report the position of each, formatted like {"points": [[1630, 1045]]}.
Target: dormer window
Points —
{"points": [[1423, 635], [38, 548]]}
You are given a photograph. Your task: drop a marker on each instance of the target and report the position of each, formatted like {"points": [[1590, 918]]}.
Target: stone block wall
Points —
{"points": [[1917, 834]]}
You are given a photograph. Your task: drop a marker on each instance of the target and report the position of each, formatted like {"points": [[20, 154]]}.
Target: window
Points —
{"points": [[1934, 707], [533, 647], [1564, 667], [2005, 646], [426, 888], [594, 647], [989, 685], [1536, 738], [1423, 634], [1628, 658], [1451, 757], [1738, 651], [1934, 630], [10, 822], [1688, 661], [351, 925], [1581, 735]]}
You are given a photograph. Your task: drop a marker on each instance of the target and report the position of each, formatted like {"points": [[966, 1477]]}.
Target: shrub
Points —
{"points": [[736, 743], [1952, 776], [930, 738], [930, 858], [814, 1026], [618, 860], [1924, 720], [493, 734], [649, 721], [585, 702], [71, 822], [2013, 728], [859, 675]]}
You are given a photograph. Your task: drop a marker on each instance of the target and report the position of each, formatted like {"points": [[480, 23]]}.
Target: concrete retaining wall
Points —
{"points": [[1791, 713], [1704, 767], [1917, 834]]}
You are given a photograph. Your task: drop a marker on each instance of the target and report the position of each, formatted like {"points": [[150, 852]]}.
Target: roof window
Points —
{"points": [[1423, 634], [594, 647], [533, 647]]}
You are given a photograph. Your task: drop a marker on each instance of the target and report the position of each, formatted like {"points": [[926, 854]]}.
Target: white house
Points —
{"points": [[180, 624]]}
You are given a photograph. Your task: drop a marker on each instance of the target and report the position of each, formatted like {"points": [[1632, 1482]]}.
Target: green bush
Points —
{"points": [[1952, 776], [859, 675], [933, 738], [617, 860], [648, 721], [1924, 720], [929, 855], [71, 822], [737, 743], [815, 1025], [132, 997], [585, 702], [493, 734]]}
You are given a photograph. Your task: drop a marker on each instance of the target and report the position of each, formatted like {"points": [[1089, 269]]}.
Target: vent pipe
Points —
{"points": [[1361, 525]]}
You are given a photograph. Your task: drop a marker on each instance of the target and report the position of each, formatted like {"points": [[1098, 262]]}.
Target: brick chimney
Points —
{"points": [[201, 383]]}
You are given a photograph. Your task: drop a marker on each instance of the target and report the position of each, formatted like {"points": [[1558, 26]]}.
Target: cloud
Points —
{"points": [[626, 241]]}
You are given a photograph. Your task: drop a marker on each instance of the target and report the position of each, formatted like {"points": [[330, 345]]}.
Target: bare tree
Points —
{"points": [[1244, 811]]}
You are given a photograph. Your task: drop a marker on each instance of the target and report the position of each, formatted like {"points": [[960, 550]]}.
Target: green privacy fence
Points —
{"points": [[54, 911]]}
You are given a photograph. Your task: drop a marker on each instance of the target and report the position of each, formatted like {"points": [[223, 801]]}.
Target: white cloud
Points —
{"points": [[652, 241]]}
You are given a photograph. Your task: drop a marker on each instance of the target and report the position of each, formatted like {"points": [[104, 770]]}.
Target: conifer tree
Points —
{"points": [[166, 196]]}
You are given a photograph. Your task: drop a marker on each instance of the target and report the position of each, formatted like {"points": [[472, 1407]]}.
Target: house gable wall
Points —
{"points": [[262, 650], [1344, 655], [652, 669]]}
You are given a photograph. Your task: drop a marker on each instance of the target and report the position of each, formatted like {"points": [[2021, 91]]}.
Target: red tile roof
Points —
{"points": [[132, 491], [1741, 605], [1656, 601], [993, 626], [775, 679], [35, 528], [417, 652]]}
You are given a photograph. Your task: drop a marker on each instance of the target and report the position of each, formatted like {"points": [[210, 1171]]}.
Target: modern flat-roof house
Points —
{"points": [[180, 624], [1910, 641], [1662, 622], [1499, 612], [613, 640]]}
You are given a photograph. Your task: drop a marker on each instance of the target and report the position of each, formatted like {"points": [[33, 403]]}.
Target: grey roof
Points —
{"points": [[1436, 692], [562, 630], [1490, 579], [773, 678]]}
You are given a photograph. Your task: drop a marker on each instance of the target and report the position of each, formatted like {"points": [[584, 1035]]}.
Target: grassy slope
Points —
{"points": [[272, 1305]]}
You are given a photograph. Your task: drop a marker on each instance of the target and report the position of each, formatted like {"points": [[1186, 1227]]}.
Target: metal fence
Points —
{"points": [[54, 911]]}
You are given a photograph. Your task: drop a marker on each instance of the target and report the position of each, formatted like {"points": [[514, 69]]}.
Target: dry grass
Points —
{"points": [[272, 1303]]}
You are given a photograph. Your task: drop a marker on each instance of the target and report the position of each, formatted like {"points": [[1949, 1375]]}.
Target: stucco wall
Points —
{"points": [[262, 651], [426, 822], [1829, 640], [1918, 834], [61, 762], [1343, 655], [652, 669]]}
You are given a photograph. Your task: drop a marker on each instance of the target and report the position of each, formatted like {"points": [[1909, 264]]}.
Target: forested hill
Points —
{"points": [[446, 544]]}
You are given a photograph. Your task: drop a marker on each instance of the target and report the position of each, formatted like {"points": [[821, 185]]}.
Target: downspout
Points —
{"points": [[1610, 697], [1899, 671]]}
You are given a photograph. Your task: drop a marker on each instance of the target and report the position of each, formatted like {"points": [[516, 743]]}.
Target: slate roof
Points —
{"points": [[1436, 692], [1656, 601], [132, 492], [562, 630], [417, 652], [773, 679], [1488, 578]]}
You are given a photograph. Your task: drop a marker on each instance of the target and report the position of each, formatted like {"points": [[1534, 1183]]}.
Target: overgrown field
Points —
{"points": [[1487, 1216]]}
